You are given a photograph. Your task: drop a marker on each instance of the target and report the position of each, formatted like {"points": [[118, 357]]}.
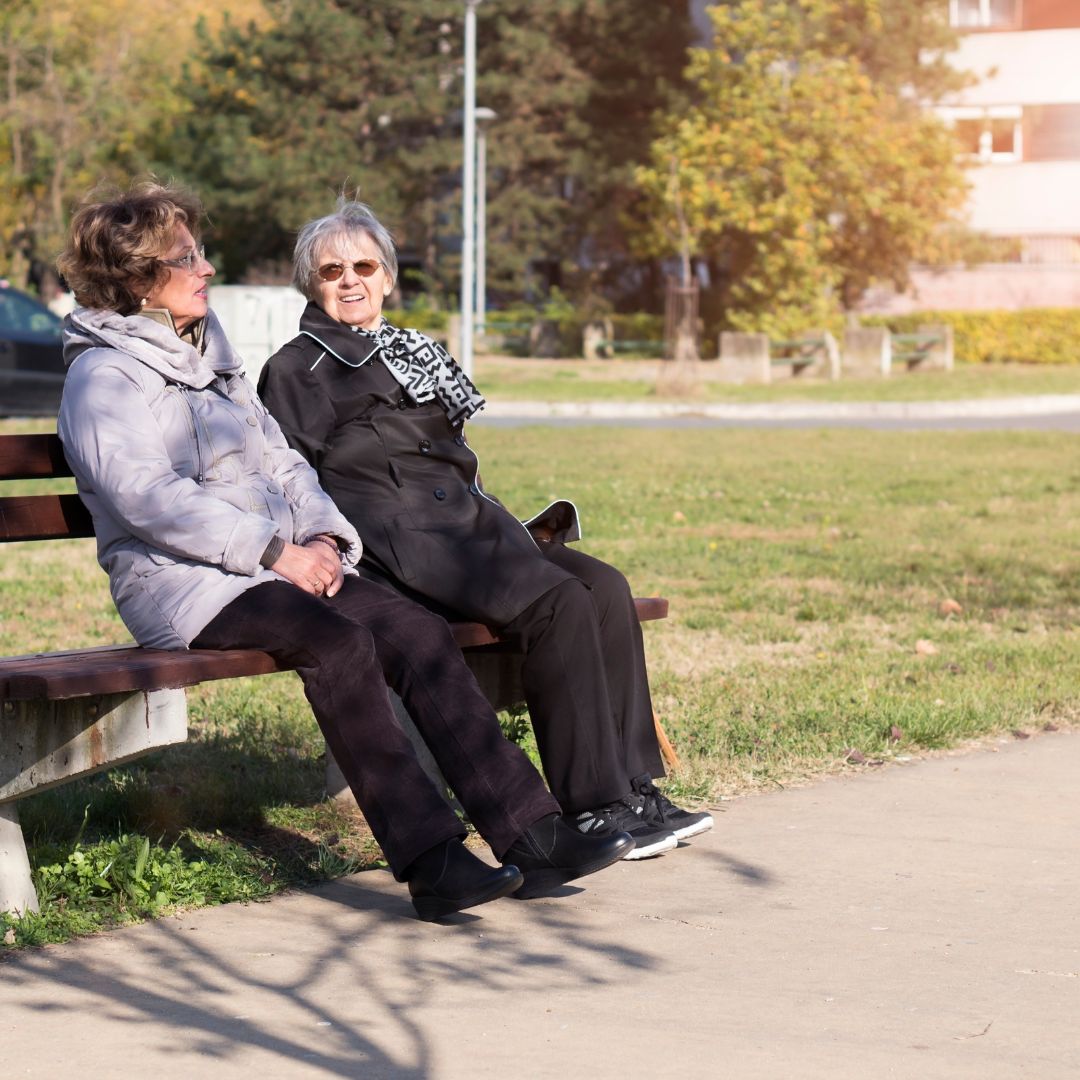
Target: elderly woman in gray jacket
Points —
{"points": [[215, 534]]}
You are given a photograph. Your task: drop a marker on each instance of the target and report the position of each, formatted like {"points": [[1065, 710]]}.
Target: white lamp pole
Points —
{"points": [[483, 118], [468, 194]]}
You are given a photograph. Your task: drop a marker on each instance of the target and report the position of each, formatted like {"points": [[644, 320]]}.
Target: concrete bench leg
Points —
{"points": [[867, 351], [745, 357], [16, 887], [46, 743]]}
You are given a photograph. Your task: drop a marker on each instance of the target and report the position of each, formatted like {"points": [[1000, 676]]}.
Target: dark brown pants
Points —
{"points": [[347, 649], [586, 684]]}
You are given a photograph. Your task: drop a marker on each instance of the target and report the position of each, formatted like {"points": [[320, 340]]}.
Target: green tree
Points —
{"points": [[804, 167], [275, 127], [635, 69], [86, 83], [323, 97]]}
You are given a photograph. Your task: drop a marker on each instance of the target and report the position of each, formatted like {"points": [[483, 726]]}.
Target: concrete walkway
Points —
{"points": [[918, 921]]}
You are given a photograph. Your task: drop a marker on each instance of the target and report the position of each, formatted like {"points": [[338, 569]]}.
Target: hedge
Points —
{"points": [[1034, 336]]}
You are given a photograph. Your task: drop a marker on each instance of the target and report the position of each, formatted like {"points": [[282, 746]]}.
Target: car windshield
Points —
{"points": [[24, 319]]}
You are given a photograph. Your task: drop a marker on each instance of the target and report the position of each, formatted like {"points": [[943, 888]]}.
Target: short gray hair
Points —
{"points": [[347, 221]]}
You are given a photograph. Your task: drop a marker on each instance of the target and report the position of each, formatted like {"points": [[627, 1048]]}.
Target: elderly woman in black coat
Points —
{"points": [[379, 412]]}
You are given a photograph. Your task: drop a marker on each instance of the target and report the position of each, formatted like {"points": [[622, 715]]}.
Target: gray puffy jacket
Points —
{"points": [[186, 475]]}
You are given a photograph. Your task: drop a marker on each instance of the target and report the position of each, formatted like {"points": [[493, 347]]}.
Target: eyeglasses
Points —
{"points": [[188, 261], [332, 271]]}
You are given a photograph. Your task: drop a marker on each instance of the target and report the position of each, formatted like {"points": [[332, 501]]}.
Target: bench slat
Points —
{"points": [[114, 669], [117, 669], [43, 517], [29, 457]]}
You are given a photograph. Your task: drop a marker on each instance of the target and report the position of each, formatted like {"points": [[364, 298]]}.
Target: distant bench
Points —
{"points": [[609, 347], [873, 350], [68, 714], [815, 354], [915, 349], [754, 358], [867, 351]]}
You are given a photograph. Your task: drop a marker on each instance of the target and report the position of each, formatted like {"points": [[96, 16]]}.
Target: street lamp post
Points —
{"points": [[468, 194], [484, 117]]}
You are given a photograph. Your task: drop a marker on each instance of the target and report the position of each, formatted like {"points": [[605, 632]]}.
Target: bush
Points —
{"points": [[1035, 336], [419, 315], [639, 327], [560, 327]]}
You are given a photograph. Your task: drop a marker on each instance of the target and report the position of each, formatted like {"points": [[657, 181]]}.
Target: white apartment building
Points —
{"points": [[1020, 126], [1021, 122]]}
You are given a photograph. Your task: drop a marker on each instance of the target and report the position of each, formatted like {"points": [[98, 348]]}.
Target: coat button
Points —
{"points": [[402, 404], [425, 446], [473, 489], [459, 439], [440, 494], [252, 422], [273, 490]]}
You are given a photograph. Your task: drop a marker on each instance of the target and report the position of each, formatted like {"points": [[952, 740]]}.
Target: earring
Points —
{"points": [[142, 302]]}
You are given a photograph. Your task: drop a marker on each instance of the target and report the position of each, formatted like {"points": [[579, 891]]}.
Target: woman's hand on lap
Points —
{"points": [[311, 567]]}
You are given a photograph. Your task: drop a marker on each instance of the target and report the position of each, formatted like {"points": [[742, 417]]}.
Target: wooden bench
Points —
{"points": [[746, 358], [649, 349], [815, 354], [68, 714], [930, 348]]}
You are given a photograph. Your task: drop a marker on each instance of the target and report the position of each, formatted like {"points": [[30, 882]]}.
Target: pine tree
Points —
{"points": [[336, 94]]}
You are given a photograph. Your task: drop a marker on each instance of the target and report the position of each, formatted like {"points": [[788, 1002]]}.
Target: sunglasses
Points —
{"points": [[363, 267], [188, 261]]}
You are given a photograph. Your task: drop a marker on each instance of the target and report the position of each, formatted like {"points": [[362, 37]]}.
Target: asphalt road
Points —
{"points": [[1068, 422], [1058, 412]]}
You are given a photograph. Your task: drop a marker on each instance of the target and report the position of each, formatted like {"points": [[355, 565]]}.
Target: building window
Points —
{"points": [[988, 134], [1052, 132], [984, 14]]}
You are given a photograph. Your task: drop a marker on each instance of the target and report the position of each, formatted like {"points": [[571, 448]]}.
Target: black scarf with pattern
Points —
{"points": [[426, 371]]}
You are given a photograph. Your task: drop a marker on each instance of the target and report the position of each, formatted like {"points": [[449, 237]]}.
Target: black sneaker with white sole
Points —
{"points": [[626, 815], [661, 812]]}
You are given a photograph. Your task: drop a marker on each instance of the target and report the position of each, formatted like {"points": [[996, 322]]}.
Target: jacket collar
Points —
{"points": [[153, 344], [336, 338]]}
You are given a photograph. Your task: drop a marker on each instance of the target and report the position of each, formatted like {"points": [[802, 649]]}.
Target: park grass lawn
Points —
{"points": [[806, 571], [509, 378]]}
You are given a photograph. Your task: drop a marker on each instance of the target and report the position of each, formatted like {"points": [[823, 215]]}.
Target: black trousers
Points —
{"points": [[347, 649], [586, 683]]}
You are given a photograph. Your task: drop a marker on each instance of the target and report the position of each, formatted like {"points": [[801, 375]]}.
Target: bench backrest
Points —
{"points": [[124, 668], [38, 517]]}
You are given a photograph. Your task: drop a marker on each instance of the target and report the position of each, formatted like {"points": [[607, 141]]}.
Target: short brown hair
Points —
{"points": [[112, 257]]}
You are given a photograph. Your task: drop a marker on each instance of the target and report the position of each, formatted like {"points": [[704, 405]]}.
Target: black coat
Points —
{"points": [[405, 477]]}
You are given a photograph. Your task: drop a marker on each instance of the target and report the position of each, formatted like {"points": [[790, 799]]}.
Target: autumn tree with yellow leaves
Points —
{"points": [[803, 167]]}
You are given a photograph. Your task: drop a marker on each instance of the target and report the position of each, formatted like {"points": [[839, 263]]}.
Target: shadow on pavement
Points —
{"points": [[337, 981]]}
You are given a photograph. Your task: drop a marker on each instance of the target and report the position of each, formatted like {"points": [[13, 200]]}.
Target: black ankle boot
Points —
{"points": [[550, 853], [449, 878]]}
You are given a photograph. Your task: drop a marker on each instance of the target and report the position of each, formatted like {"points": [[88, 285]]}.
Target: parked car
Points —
{"points": [[31, 360]]}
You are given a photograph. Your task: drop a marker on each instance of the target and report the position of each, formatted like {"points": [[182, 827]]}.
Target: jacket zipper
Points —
{"points": [[200, 475]]}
